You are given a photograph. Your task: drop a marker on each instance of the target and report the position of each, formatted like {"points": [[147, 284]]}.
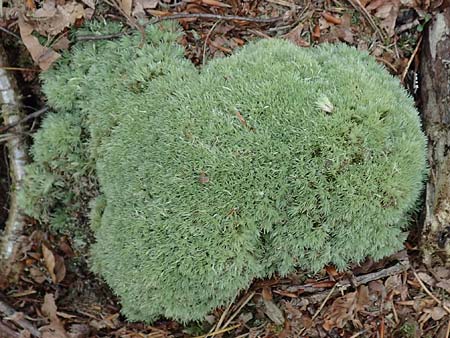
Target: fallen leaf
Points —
{"points": [[79, 331], [37, 275], [427, 279], [316, 32], [89, 3], [42, 56], [331, 19], [52, 19], [346, 307], [444, 284], [54, 264], [49, 260], [387, 11], [62, 44], [141, 5], [126, 6], [437, 312], [273, 312], [295, 36], [267, 293], [55, 329]]}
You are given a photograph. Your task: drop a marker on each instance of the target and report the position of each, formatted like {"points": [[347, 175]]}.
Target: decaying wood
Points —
{"points": [[435, 97], [10, 106]]}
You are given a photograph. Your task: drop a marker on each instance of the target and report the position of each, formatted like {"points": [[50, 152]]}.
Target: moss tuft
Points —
{"points": [[274, 158]]}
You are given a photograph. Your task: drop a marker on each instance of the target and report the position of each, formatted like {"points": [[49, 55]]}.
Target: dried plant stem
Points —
{"points": [[207, 16], [413, 55]]}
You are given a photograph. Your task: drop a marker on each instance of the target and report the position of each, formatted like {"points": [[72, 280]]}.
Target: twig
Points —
{"points": [[206, 40], [208, 16], [222, 318], [4, 30], [25, 119], [21, 69], [13, 315], [363, 279], [239, 309], [413, 55], [429, 293], [447, 334], [100, 37], [215, 333], [359, 7], [320, 307]]}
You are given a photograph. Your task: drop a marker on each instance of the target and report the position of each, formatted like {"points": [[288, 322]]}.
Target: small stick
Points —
{"points": [[206, 40], [8, 311], [215, 333], [207, 16], [320, 307], [100, 37], [26, 118], [360, 7], [21, 69], [239, 309], [4, 30], [429, 293], [413, 55], [447, 334]]}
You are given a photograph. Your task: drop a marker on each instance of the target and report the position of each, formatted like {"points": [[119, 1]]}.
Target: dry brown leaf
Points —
{"points": [[444, 284], [346, 307], [42, 56], [37, 275], [54, 264], [49, 260], [55, 329], [267, 293], [61, 44], [141, 5], [273, 312], [427, 279], [295, 36], [52, 19], [437, 312], [89, 3], [126, 6], [387, 10]]}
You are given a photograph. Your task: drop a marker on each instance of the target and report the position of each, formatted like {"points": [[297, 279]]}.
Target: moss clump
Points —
{"points": [[274, 158]]}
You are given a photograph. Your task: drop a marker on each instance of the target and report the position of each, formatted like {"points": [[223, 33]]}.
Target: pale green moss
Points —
{"points": [[274, 158]]}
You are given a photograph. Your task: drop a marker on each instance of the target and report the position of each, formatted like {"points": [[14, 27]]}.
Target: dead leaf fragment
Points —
{"points": [[345, 308], [141, 5], [54, 264], [387, 11], [444, 284], [52, 19], [126, 6], [273, 312], [55, 329], [42, 56], [331, 19], [437, 312]]}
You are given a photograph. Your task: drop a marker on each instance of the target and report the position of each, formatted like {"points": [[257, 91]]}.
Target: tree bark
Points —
{"points": [[11, 112], [435, 97]]}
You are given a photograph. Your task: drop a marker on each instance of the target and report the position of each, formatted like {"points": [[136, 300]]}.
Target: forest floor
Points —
{"points": [[54, 295]]}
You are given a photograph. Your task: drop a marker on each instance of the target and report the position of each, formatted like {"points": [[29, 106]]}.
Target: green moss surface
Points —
{"points": [[275, 158]]}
